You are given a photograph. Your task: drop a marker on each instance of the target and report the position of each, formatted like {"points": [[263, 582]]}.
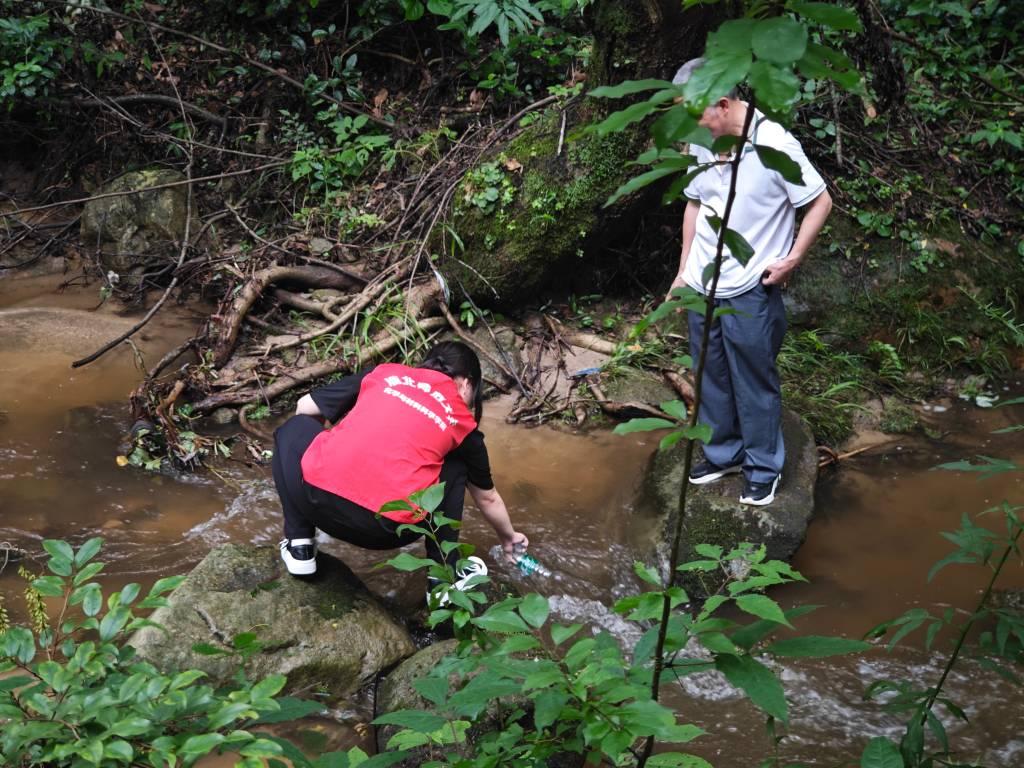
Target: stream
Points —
{"points": [[874, 536]]}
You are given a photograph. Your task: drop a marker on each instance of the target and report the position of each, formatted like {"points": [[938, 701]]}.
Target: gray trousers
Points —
{"points": [[741, 399]]}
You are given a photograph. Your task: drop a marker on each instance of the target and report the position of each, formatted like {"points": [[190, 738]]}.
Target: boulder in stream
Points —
{"points": [[714, 514], [326, 632]]}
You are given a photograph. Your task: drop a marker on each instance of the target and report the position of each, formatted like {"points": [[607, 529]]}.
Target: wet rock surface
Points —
{"points": [[127, 227], [714, 514], [325, 632]]}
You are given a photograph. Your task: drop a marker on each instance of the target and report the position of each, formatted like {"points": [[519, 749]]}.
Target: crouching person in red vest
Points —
{"points": [[396, 430]]}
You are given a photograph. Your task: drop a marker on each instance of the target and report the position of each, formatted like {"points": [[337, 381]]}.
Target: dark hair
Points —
{"points": [[453, 358]]}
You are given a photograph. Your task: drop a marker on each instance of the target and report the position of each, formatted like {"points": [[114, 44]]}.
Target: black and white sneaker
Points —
{"points": [[299, 556], [760, 494], [706, 472]]}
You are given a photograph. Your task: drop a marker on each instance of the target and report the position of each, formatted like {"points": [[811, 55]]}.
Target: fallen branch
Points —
{"points": [[621, 410], [287, 380], [587, 340], [683, 386], [461, 333], [154, 98], [231, 323]]}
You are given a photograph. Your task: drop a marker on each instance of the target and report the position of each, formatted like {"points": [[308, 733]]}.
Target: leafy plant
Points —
{"points": [[72, 693], [29, 57]]}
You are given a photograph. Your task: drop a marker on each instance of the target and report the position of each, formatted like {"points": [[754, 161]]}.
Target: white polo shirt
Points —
{"points": [[764, 210]]}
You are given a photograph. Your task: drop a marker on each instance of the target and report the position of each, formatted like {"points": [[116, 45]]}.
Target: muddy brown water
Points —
{"points": [[874, 536]]}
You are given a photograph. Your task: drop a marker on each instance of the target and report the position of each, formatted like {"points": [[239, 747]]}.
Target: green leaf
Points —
{"points": [[834, 16], [547, 708], [405, 561], [740, 249], [87, 573], [59, 549], [131, 726], [776, 88], [643, 425], [677, 760], [719, 74], [779, 161], [881, 753], [429, 499], [49, 586], [118, 750], [649, 177], [433, 689], [291, 708], [88, 551], [534, 609], [260, 748], [501, 621], [674, 126], [816, 647], [762, 607], [616, 121], [628, 88], [647, 573], [675, 408], [560, 633], [202, 744], [166, 585], [701, 432], [781, 40], [757, 681], [414, 719]]}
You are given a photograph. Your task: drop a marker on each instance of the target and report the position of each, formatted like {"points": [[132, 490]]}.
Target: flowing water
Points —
{"points": [[874, 536]]}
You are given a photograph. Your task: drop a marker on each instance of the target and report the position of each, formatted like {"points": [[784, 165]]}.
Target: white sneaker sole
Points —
{"points": [[710, 478], [298, 567], [766, 500]]}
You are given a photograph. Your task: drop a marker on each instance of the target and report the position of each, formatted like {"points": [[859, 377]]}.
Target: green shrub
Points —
{"points": [[72, 693]]}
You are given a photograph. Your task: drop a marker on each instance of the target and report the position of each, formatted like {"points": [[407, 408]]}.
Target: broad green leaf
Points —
{"points": [[501, 621], [433, 689], [88, 551], [561, 633], [90, 570], [674, 126], [616, 121], [647, 573], [534, 609], [59, 549], [131, 726], [429, 499], [166, 585], [777, 160], [834, 16], [547, 706], [628, 88], [776, 88], [781, 40], [669, 440], [675, 408], [643, 425], [738, 247], [677, 760], [49, 586], [414, 719], [814, 646], [118, 750], [202, 744], [881, 753], [404, 561], [260, 748], [719, 74], [701, 432], [643, 180], [757, 681], [290, 708]]}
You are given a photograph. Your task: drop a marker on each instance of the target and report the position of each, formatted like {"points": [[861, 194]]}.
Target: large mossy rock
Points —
{"points": [[714, 514], [150, 223], [326, 632]]}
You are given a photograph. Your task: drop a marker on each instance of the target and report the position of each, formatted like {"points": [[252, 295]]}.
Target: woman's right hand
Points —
{"points": [[514, 545]]}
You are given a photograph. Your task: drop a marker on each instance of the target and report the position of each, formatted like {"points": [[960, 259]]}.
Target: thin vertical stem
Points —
{"points": [[709, 318]]}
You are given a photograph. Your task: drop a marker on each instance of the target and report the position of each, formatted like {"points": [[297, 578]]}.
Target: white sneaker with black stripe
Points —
{"points": [[299, 556]]}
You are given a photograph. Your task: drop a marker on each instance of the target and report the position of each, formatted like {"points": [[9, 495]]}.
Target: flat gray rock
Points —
{"points": [[326, 632], [714, 514]]}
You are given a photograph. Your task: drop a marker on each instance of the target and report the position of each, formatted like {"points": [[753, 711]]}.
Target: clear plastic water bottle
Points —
{"points": [[529, 565]]}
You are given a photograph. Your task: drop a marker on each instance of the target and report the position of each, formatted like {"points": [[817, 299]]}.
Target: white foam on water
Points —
{"points": [[257, 507], [598, 616]]}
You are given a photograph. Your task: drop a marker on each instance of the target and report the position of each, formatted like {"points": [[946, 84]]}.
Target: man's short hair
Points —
{"points": [[685, 72]]}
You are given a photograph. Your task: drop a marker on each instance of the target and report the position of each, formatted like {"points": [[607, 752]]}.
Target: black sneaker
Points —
{"points": [[299, 556], [706, 472], [759, 494]]}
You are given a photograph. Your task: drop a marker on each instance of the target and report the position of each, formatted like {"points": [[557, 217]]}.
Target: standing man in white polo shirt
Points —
{"points": [[741, 397]]}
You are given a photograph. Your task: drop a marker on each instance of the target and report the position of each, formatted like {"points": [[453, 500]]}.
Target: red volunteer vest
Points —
{"points": [[393, 441]]}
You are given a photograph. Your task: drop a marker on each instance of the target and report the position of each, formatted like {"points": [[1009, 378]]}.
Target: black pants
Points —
{"points": [[307, 508]]}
